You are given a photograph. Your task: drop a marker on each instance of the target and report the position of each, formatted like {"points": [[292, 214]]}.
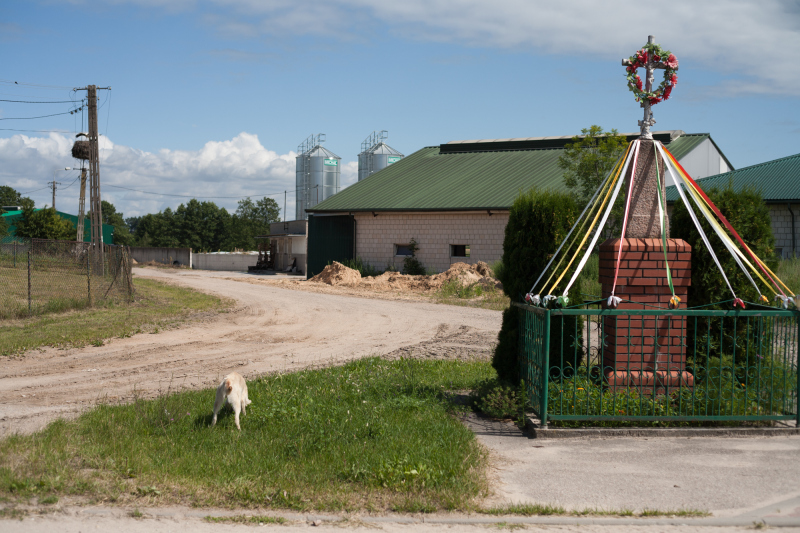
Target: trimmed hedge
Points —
{"points": [[537, 224]]}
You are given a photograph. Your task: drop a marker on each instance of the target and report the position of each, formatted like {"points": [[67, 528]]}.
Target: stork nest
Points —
{"points": [[81, 150]]}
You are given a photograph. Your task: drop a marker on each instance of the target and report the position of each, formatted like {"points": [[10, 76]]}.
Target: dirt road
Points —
{"points": [[271, 329]]}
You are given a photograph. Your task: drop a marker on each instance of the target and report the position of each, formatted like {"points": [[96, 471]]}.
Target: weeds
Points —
{"points": [[242, 519]]}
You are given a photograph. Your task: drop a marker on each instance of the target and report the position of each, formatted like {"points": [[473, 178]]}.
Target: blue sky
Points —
{"points": [[211, 98]]}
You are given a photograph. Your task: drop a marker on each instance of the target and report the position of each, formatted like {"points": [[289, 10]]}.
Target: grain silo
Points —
{"points": [[376, 155], [317, 174]]}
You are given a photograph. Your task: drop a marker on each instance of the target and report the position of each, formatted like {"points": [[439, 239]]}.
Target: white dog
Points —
{"points": [[234, 389]]}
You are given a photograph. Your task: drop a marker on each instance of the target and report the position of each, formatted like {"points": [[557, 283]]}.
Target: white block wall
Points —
{"points": [[224, 261], [376, 237], [782, 227]]}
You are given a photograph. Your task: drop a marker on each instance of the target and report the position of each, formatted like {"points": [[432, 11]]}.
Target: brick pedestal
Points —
{"points": [[645, 351]]}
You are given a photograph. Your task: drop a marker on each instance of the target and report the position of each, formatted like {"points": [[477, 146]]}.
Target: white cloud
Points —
{"points": [[754, 41], [236, 168]]}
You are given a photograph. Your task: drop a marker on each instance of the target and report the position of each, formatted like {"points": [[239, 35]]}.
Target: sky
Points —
{"points": [[211, 98]]}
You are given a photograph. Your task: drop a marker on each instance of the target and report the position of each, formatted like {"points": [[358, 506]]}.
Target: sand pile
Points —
{"points": [[462, 273], [338, 274]]}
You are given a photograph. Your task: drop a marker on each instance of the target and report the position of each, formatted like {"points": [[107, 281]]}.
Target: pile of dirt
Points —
{"points": [[338, 274], [461, 273]]}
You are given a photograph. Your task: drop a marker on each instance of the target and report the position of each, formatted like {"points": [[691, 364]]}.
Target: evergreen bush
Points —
{"points": [[749, 215], [537, 224]]}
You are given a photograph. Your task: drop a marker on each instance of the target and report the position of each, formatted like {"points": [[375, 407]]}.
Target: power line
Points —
{"points": [[43, 116], [36, 190], [36, 131], [194, 196], [12, 82], [43, 102]]}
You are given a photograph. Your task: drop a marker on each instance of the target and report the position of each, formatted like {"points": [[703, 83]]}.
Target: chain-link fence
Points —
{"points": [[40, 276]]}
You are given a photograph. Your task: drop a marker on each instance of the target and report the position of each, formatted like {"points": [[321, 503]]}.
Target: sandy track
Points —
{"points": [[271, 329]]}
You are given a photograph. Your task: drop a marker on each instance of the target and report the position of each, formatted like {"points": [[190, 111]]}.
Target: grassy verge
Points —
{"points": [[454, 292], [156, 306], [371, 435], [525, 509], [789, 272]]}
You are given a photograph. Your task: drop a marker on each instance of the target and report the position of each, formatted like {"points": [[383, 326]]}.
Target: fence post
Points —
{"points": [[15, 253], [797, 368], [89, 278], [29, 282], [546, 368]]}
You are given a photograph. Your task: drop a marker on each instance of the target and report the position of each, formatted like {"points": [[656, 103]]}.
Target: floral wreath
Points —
{"points": [[640, 59]]}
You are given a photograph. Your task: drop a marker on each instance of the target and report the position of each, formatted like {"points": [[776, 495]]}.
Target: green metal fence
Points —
{"points": [[588, 364]]}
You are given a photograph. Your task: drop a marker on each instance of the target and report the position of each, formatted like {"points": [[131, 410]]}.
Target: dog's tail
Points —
{"points": [[228, 386]]}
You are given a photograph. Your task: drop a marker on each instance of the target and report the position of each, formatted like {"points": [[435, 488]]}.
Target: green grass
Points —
{"points": [[242, 519], [531, 509], [156, 306], [789, 272], [371, 435], [453, 292]]}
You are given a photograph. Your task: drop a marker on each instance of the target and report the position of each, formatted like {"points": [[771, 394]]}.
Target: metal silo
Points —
{"points": [[376, 155], [318, 174]]}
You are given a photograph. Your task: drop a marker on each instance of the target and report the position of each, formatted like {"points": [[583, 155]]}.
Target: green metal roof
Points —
{"points": [[427, 180], [468, 175], [778, 180]]}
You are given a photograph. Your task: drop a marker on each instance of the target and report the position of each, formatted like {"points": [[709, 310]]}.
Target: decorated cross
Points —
{"points": [[651, 57]]}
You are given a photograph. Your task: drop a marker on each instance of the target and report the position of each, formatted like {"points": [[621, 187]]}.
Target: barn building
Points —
{"points": [[453, 200]]}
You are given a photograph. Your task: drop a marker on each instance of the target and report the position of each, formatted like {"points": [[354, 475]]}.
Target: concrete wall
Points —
{"points": [[145, 254], [376, 237], [225, 261], [782, 228]]}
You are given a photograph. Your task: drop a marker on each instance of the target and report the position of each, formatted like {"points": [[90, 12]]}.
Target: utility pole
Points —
{"points": [[53, 185], [94, 178], [82, 206]]}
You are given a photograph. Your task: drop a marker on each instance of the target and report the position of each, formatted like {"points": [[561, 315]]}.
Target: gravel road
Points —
{"points": [[270, 330]]}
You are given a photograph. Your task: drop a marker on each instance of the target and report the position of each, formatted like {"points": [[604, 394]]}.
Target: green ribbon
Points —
{"points": [[663, 226]]}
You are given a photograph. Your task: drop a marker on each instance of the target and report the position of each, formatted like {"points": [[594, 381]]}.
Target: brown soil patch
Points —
{"points": [[462, 273]]}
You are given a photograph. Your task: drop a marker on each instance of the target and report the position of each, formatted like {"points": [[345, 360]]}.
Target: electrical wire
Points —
{"points": [[43, 116], [35, 190], [44, 102], [191, 195], [36, 131], [40, 86]]}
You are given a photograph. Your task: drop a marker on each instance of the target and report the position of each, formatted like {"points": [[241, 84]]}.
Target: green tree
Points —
{"points": [[203, 226], [587, 161], [251, 220], [157, 229], [44, 224], [3, 227], [122, 235], [10, 196], [538, 222]]}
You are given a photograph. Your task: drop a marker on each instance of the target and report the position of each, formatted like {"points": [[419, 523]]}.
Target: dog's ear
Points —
{"points": [[228, 386]]}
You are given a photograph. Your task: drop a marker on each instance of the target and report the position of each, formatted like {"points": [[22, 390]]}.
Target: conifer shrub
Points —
{"points": [[749, 215], [538, 222]]}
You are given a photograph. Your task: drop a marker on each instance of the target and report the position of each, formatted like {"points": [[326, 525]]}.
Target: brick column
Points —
{"points": [[639, 350]]}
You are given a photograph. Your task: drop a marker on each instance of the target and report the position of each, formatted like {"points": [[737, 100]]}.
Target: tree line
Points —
{"points": [[202, 226]]}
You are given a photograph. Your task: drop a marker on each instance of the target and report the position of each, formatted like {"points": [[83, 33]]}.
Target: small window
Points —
{"points": [[459, 250], [402, 249]]}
